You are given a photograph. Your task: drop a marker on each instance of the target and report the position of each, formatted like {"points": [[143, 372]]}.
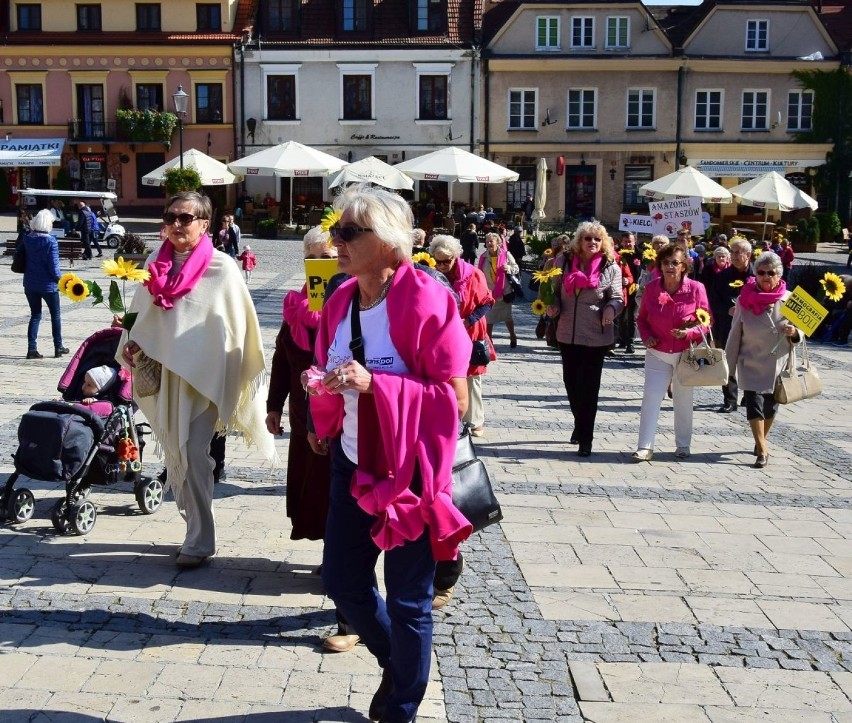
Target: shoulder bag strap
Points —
{"points": [[806, 363], [356, 346]]}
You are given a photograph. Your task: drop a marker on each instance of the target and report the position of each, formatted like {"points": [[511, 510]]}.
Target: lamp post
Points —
{"points": [[181, 100]]}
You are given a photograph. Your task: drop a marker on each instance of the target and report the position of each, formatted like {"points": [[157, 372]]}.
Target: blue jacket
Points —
{"points": [[42, 268]]}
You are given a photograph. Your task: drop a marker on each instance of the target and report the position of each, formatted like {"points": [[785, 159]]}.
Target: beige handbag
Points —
{"points": [[146, 375], [797, 382], [702, 365]]}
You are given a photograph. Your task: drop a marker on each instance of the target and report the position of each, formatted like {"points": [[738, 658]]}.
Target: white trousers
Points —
{"points": [[659, 371], [475, 407], [195, 496]]}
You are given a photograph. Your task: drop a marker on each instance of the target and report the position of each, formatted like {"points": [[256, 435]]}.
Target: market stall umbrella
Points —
{"points": [[372, 170], [687, 182], [772, 190], [540, 191], [288, 160], [212, 172], [454, 165]]}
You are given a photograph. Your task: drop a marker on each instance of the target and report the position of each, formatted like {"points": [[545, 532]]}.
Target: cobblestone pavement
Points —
{"points": [[694, 590]]}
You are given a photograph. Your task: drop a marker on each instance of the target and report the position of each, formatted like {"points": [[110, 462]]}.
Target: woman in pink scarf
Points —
{"points": [[758, 345], [393, 354], [495, 263]]}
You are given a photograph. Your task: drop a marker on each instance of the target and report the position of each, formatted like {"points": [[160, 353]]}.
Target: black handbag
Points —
{"points": [[512, 289], [473, 493], [19, 259], [480, 354]]}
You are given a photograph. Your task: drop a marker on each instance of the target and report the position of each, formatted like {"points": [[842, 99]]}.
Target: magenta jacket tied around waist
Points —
{"points": [[659, 314], [411, 420]]}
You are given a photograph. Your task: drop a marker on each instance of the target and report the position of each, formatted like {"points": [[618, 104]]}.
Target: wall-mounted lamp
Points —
{"points": [[349, 157], [549, 174], [683, 159], [451, 137], [777, 120], [583, 160], [548, 121], [209, 142], [251, 125], [611, 174], [8, 135], [811, 172]]}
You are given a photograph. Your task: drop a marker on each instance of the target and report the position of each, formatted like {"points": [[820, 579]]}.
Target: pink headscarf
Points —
{"points": [[301, 320], [757, 302], [167, 289], [499, 273], [577, 279]]}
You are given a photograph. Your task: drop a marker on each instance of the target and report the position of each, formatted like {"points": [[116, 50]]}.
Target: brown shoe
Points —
{"points": [[442, 597], [340, 643]]}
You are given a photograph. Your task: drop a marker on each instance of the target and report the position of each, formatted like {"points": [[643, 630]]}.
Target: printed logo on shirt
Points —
{"points": [[382, 362]]}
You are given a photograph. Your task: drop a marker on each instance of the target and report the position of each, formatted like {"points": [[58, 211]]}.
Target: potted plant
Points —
{"points": [[266, 228], [179, 179], [132, 247]]}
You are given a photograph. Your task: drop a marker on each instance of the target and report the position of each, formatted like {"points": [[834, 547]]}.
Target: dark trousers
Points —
{"points": [[581, 372], [398, 632], [448, 572], [34, 299], [217, 450], [627, 321], [86, 240]]}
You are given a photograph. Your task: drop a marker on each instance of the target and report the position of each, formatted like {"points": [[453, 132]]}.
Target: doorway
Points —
{"points": [[580, 191]]}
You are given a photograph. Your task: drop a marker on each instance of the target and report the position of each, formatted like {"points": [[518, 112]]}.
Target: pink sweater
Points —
{"points": [[411, 420], [658, 319]]}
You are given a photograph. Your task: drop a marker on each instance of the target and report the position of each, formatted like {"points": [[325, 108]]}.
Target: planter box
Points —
{"points": [[266, 231]]}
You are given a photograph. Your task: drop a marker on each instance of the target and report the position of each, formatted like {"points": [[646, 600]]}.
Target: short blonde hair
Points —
{"points": [[598, 229]]}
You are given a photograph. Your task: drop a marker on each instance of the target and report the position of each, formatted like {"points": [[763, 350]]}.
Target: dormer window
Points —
{"points": [[278, 16], [354, 15], [429, 16], [757, 36]]}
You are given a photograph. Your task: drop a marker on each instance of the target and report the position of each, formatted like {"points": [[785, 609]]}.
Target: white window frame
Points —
{"points": [[708, 129], [584, 20], [359, 69], [268, 69], [754, 117], [618, 19], [757, 47], [421, 69], [522, 127], [568, 126], [798, 128], [549, 21], [642, 93]]}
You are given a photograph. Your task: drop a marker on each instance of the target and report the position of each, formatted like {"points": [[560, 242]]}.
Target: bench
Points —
{"points": [[69, 248]]}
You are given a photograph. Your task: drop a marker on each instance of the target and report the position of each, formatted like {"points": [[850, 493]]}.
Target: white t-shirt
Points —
{"points": [[380, 354]]}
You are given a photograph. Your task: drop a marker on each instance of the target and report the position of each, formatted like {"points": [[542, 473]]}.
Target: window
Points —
{"points": [[208, 17], [30, 105], [522, 110], [708, 110], [755, 105], [634, 177], [88, 18], [29, 17], [208, 102], [757, 36], [432, 96], [800, 110], [149, 96], [517, 191], [430, 16], [581, 109], [641, 108], [354, 15], [147, 16], [357, 97], [618, 32], [582, 32], [281, 97], [547, 33], [280, 15]]}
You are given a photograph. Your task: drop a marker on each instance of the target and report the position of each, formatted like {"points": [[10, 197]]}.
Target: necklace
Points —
{"points": [[380, 298]]}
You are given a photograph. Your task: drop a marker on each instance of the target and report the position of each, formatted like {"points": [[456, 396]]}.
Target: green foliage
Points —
{"points": [[62, 182], [179, 179], [829, 225], [267, 228], [145, 125]]}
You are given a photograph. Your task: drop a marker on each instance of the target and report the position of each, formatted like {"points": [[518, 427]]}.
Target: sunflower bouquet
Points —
{"points": [[649, 256], [548, 284], [78, 289]]}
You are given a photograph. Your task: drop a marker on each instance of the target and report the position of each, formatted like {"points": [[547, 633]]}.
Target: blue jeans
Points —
{"points": [[398, 632], [51, 298]]}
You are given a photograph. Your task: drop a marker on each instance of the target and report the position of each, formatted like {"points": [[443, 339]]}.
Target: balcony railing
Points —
{"points": [[80, 129], [129, 127]]}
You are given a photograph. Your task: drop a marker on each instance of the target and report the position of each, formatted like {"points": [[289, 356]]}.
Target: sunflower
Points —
{"points": [[756, 253], [632, 289], [423, 258], [66, 279], [548, 252], [703, 317], [329, 219], [555, 271], [127, 270], [538, 307], [76, 289], [833, 286], [649, 255], [540, 276], [736, 284]]}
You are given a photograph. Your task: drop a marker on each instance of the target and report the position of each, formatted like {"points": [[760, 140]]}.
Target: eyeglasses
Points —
{"points": [[591, 238], [185, 218], [767, 273], [443, 262], [671, 262], [347, 233]]}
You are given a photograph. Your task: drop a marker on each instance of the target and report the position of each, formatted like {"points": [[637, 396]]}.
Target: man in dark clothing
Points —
{"points": [[516, 244], [87, 225], [723, 297], [470, 243], [528, 207]]}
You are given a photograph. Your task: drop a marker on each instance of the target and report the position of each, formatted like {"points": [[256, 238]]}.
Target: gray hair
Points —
{"points": [[721, 251], [660, 239], [201, 204], [771, 259], [315, 237], [388, 214], [446, 243], [741, 244], [419, 236], [43, 222]]}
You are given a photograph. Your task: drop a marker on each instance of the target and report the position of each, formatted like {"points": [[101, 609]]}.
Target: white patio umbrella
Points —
{"points": [[540, 191], [212, 172], [288, 160], [686, 182], [772, 190], [372, 170], [454, 165]]}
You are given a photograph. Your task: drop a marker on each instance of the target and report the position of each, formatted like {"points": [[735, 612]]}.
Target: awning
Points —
{"points": [[22, 152]]}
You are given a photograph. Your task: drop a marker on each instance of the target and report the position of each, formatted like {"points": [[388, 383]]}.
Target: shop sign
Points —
{"points": [[738, 168]]}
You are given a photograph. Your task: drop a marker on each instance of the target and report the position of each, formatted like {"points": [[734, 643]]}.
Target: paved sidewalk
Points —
{"points": [[697, 590]]}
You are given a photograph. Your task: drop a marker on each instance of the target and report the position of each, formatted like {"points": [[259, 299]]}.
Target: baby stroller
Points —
{"points": [[81, 445]]}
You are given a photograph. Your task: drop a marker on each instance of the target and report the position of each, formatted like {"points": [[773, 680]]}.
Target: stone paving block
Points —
{"points": [[570, 576], [219, 710], [574, 606], [609, 555], [727, 611], [94, 705], [122, 677], [796, 690], [588, 682], [723, 714], [672, 558], [18, 703], [716, 582], [677, 683], [44, 674], [171, 649], [785, 614], [641, 713], [252, 686], [189, 681], [15, 665], [660, 608]]}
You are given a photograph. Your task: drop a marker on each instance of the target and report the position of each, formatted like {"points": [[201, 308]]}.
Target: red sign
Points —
{"points": [[430, 176], [483, 179], [252, 171], [300, 173]]}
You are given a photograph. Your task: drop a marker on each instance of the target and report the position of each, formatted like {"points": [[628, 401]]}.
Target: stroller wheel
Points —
{"points": [[149, 496], [83, 516], [59, 518], [21, 505]]}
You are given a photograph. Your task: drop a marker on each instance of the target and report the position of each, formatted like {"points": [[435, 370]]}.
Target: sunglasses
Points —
{"points": [[185, 218], [767, 273], [591, 238], [347, 233], [443, 262]]}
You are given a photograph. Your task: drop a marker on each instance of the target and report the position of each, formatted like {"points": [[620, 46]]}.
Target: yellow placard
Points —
{"points": [[804, 311], [317, 274]]}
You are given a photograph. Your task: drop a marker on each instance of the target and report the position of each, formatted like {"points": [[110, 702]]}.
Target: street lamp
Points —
{"points": [[181, 100]]}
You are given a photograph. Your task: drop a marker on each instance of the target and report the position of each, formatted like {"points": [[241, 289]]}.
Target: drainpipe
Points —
{"points": [[474, 73], [681, 76], [486, 104]]}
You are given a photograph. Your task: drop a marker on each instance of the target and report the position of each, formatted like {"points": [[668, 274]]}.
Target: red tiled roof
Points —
{"points": [[837, 18]]}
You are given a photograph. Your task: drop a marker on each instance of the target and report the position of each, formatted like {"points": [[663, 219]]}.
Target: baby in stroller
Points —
{"points": [[82, 443]]}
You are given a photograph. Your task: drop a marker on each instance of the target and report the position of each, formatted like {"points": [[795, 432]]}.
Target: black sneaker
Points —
{"points": [[379, 703], [60, 350], [33, 354], [629, 349]]}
